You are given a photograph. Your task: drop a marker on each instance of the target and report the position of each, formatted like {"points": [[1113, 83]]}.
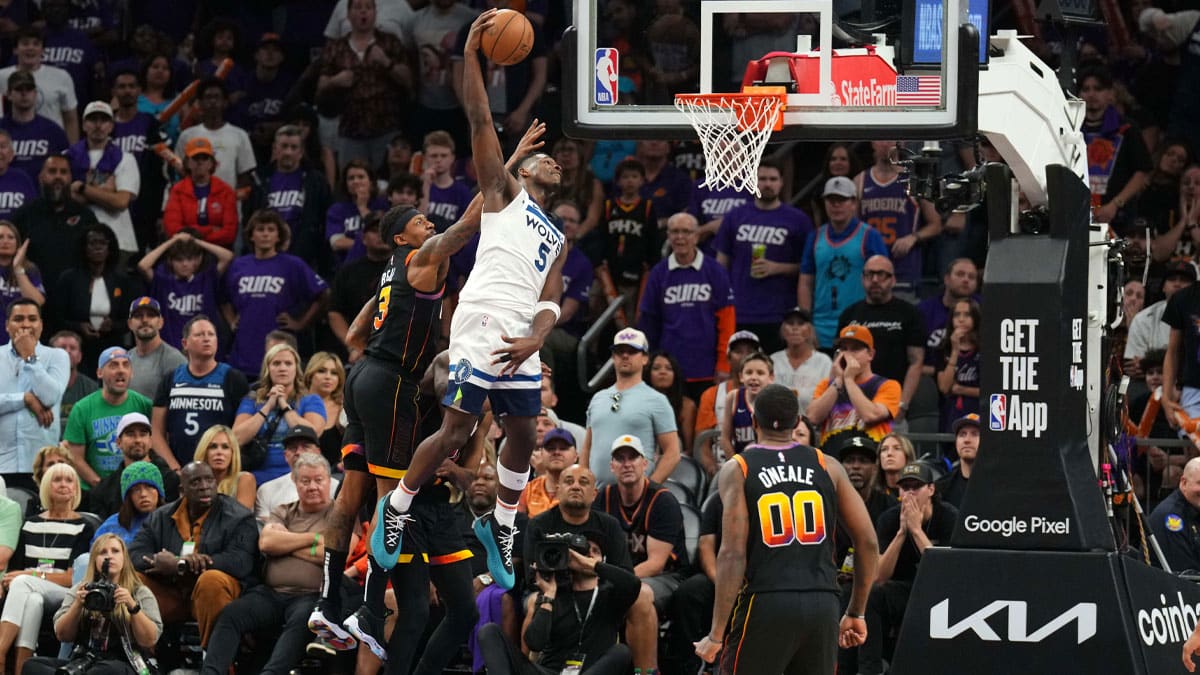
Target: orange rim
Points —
{"points": [[746, 105]]}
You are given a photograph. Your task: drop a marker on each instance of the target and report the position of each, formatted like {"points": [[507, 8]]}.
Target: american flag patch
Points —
{"points": [[918, 90]]}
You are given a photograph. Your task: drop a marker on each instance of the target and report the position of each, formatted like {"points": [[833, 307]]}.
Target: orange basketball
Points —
{"points": [[509, 39]]}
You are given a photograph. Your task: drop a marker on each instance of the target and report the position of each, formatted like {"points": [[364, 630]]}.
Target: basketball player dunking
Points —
{"points": [[776, 604], [506, 309]]}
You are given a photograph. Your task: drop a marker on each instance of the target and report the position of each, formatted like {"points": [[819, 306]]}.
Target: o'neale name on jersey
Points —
{"points": [[260, 284], [762, 234], [185, 304], [684, 293], [771, 476], [58, 55], [884, 204], [34, 146], [720, 205], [11, 200], [285, 199]]}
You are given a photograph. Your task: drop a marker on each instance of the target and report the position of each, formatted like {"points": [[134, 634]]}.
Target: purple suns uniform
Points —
{"points": [[71, 50], [181, 299], [33, 142], [679, 311], [888, 208], [16, 190], [343, 218], [783, 232], [285, 196], [259, 291]]}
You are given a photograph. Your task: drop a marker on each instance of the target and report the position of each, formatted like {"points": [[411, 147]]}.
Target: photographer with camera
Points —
{"points": [[113, 619], [574, 620]]}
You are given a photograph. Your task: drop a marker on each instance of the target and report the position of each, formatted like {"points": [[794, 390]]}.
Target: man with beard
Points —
{"points": [[133, 438], [91, 428], [152, 358], [105, 178], [761, 245], [574, 515], [197, 578], [953, 488], [896, 326], [53, 223]]}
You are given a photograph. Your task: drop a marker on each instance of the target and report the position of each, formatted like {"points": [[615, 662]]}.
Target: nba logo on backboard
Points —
{"points": [[607, 61], [997, 412]]}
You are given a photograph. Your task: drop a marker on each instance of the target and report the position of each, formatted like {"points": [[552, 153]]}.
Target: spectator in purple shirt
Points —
{"points": [[187, 284], [667, 187], [344, 221], [261, 110], [135, 132], [687, 307], [16, 187], [295, 189], [19, 278], [96, 18], [960, 283], [268, 290], [69, 48], [219, 40], [34, 138], [761, 245], [559, 353], [709, 207]]}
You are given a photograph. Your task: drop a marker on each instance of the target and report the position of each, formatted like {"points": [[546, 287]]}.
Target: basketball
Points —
{"points": [[509, 39]]}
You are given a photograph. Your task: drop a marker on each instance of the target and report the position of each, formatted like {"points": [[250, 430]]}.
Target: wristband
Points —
{"points": [[260, 412], [313, 549], [547, 305], [713, 639]]}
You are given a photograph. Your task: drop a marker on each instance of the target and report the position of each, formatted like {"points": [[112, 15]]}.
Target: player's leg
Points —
{"points": [[325, 617], [813, 647], [410, 583], [450, 571], [517, 410], [366, 624], [753, 637]]}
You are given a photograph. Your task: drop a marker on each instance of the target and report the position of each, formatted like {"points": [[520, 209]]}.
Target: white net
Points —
{"points": [[734, 130]]}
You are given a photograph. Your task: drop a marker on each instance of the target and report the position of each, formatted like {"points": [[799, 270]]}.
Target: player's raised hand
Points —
{"points": [[852, 632], [481, 24], [532, 139], [513, 356]]}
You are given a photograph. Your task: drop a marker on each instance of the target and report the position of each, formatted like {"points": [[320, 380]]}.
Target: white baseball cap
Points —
{"points": [[840, 186], [97, 107], [631, 337], [628, 441]]}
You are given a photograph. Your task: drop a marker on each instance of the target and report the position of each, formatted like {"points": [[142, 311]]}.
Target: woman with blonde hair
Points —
{"points": [[218, 448], [895, 450], [280, 403], [40, 567], [117, 641], [325, 376]]}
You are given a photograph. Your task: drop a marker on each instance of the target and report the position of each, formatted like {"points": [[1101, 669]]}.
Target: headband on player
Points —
{"points": [[396, 220]]}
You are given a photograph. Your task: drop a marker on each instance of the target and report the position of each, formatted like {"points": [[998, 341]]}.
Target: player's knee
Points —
{"points": [[643, 607]]}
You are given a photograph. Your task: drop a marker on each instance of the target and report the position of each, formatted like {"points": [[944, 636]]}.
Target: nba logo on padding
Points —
{"points": [[997, 412], [607, 61]]}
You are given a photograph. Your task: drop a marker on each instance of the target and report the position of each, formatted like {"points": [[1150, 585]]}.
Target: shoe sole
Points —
{"points": [[365, 638], [316, 649], [379, 544], [503, 577], [332, 633]]}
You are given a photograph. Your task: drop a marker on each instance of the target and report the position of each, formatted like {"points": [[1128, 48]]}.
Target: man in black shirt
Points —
{"points": [[1118, 162], [1180, 363], [692, 602], [953, 488], [570, 625], [357, 281], [919, 521], [895, 324], [574, 515]]}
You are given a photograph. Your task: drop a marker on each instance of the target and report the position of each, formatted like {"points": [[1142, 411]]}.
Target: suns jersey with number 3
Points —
{"points": [[792, 505], [517, 246], [407, 321]]}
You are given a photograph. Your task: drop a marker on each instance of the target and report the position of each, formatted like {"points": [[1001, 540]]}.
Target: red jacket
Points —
{"points": [[182, 212]]}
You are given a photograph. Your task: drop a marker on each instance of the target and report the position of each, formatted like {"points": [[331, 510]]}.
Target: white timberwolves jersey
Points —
{"points": [[517, 246]]}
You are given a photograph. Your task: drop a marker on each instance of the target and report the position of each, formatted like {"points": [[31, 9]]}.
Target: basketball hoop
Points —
{"points": [[734, 129]]}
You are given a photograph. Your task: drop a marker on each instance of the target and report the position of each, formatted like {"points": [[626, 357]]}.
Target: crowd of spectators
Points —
{"points": [[177, 284]]}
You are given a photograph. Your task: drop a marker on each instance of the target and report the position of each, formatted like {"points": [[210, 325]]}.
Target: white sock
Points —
{"points": [[402, 497], [510, 479], [506, 514]]}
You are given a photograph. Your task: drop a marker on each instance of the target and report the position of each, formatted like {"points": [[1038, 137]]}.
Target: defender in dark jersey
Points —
{"points": [[777, 597], [398, 330]]}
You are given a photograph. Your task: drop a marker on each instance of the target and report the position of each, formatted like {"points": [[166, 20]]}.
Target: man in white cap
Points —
{"points": [[133, 438], [831, 269], [630, 407], [103, 176]]}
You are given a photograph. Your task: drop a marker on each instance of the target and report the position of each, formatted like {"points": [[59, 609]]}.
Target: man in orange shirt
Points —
{"points": [[853, 397], [541, 493]]}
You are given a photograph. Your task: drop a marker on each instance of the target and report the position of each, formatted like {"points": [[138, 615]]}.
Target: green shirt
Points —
{"points": [[93, 424], [10, 524]]}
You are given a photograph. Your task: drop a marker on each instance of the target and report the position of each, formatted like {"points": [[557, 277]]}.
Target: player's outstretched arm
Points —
{"points": [[731, 560], [442, 246], [853, 512], [497, 185]]}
